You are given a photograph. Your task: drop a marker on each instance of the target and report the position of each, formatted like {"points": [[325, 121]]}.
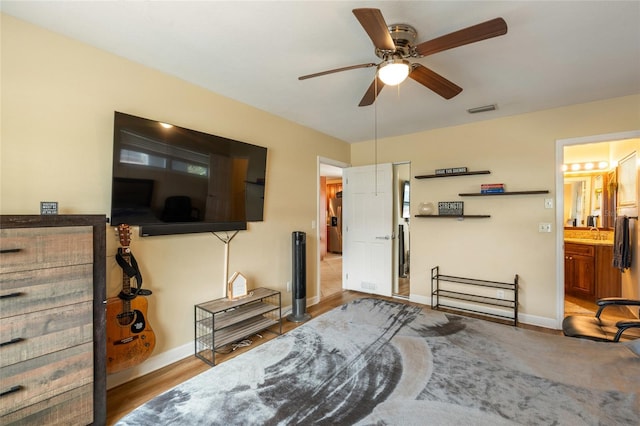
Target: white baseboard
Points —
{"points": [[545, 322], [423, 300], [162, 360], [528, 319], [150, 365], [285, 310]]}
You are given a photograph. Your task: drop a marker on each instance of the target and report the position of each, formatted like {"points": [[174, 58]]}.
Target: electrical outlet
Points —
{"points": [[500, 294], [288, 286], [544, 227]]}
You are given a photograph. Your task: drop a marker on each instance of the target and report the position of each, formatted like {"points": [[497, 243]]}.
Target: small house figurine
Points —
{"points": [[237, 286]]}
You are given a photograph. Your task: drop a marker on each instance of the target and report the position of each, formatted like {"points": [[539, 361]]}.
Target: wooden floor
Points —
{"points": [[124, 398], [612, 313]]}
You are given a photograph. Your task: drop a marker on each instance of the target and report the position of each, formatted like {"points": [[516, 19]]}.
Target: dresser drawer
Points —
{"points": [[70, 408], [35, 334], [36, 290], [38, 379], [23, 249], [52, 331]]}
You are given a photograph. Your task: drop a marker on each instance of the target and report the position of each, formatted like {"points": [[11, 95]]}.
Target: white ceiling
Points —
{"points": [[554, 54]]}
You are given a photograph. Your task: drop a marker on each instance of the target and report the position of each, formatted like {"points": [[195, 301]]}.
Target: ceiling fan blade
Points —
{"points": [[352, 67], [493, 28], [434, 81], [371, 94], [373, 23]]}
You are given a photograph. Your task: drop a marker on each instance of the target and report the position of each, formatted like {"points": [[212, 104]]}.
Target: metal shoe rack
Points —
{"points": [[488, 299]]}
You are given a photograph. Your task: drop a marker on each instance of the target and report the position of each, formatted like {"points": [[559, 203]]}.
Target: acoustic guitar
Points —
{"points": [[130, 339]]}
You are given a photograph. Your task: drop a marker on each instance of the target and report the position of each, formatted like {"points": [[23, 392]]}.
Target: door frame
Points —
{"points": [[397, 215], [331, 162], [560, 144]]}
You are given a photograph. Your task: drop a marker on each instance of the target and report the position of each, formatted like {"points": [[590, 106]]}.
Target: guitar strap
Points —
{"points": [[133, 271]]}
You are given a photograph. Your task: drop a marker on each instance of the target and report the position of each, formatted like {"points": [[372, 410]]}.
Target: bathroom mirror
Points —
{"points": [[577, 200], [587, 201]]}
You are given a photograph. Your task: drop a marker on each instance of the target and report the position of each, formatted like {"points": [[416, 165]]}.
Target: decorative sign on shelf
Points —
{"points": [[451, 170], [451, 208]]}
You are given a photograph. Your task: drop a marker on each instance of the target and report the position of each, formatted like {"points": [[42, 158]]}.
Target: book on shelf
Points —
{"points": [[491, 188]]}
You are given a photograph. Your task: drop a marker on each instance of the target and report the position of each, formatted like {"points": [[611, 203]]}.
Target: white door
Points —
{"points": [[367, 228]]}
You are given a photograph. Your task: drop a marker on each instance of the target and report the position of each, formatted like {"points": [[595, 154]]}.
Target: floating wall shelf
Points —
{"points": [[480, 194], [480, 172], [464, 216]]}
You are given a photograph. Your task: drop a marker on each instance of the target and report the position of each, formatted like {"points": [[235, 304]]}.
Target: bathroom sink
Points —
{"points": [[591, 241]]}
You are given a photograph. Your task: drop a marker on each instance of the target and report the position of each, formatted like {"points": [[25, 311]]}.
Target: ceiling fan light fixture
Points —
{"points": [[394, 71]]}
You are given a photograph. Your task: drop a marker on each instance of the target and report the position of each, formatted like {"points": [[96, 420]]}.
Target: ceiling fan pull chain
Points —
{"points": [[375, 134]]}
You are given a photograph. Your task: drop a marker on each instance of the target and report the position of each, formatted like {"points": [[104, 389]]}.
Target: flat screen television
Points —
{"points": [[172, 180]]}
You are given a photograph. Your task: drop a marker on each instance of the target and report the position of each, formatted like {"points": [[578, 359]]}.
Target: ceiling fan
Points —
{"points": [[394, 44]]}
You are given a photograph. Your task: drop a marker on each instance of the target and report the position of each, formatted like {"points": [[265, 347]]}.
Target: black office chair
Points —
{"points": [[595, 328]]}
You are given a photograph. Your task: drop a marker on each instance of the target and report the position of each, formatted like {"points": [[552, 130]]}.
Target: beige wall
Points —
{"points": [[520, 152], [58, 99]]}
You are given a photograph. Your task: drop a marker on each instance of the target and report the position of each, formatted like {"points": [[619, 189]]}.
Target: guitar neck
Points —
{"points": [[125, 252]]}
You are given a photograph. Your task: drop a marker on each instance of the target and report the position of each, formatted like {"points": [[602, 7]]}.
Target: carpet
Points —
{"points": [[375, 362]]}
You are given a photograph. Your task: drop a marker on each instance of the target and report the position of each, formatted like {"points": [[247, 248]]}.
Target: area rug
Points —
{"points": [[375, 362]]}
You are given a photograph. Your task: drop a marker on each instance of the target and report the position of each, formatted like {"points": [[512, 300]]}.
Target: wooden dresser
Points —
{"points": [[52, 320]]}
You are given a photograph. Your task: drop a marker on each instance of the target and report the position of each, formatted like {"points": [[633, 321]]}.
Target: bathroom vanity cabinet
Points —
{"points": [[579, 270], [588, 271]]}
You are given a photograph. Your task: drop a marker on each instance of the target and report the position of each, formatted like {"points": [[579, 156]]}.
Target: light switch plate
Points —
{"points": [[548, 203], [544, 227]]}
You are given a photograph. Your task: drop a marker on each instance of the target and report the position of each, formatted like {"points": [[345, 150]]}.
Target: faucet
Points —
{"points": [[595, 228]]}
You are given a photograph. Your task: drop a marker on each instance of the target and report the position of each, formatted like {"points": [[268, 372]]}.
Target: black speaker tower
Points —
{"points": [[299, 283]]}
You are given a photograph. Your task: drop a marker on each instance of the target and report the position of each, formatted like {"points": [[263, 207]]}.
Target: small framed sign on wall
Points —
{"points": [[48, 207]]}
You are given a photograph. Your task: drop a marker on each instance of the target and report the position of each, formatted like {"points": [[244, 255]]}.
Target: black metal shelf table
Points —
{"points": [[224, 321]]}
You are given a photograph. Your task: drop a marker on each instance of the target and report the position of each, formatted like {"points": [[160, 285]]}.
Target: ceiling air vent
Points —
{"points": [[485, 108]]}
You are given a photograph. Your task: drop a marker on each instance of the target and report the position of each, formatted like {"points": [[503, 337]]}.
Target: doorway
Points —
{"points": [[330, 222], [329, 227], [401, 224], [580, 150]]}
